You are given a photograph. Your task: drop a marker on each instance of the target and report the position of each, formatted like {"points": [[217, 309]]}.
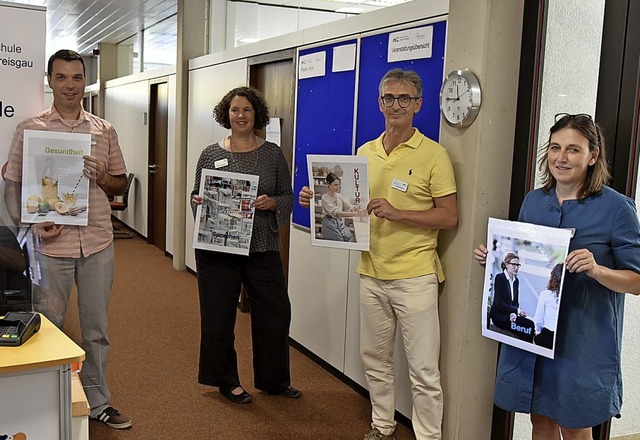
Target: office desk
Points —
{"points": [[35, 385]]}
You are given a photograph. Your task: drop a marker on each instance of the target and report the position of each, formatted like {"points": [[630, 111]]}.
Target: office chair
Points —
{"points": [[121, 205]]}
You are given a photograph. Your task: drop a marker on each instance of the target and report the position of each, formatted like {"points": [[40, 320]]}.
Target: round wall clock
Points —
{"points": [[460, 98]]}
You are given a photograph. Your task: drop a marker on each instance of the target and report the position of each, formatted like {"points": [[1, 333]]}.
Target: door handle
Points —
{"points": [[153, 168]]}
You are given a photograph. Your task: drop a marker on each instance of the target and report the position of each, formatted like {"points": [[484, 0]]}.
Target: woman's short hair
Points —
{"points": [[331, 177], [554, 278], [403, 76], [598, 173], [260, 107], [508, 258]]}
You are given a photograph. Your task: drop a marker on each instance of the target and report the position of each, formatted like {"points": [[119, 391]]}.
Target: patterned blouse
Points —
{"points": [[267, 162]]}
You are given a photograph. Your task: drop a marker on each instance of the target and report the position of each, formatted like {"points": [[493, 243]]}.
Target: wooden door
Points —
{"points": [[274, 76], [157, 210]]}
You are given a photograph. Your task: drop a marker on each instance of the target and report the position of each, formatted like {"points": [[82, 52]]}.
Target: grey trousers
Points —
{"points": [[93, 276]]}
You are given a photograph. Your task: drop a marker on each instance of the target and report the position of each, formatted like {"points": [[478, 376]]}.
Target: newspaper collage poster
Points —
{"points": [[54, 187], [224, 220], [340, 187], [523, 282]]}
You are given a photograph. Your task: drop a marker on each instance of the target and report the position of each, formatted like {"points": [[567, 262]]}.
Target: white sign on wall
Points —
{"points": [[22, 67], [312, 65], [410, 44]]}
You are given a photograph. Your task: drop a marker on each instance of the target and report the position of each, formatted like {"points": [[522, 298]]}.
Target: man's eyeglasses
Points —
{"points": [[515, 264], [403, 100]]}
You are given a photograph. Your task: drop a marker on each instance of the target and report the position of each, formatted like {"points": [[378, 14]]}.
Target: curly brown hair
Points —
{"points": [[260, 107], [555, 277]]}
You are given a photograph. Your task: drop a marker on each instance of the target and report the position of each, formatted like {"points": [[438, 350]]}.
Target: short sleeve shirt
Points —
{"points": [[423, 168], [582, 385], [76, 241]]}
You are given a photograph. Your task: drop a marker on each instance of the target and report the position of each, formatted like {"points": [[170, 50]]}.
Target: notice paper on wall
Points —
{"points": [[273, 131], [410, 44], [344, 58], [312, 65]]}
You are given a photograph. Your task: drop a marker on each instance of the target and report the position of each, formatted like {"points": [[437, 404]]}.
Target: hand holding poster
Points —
{"points": [[224, 220], [53, 185], [339, 215], [523, 281]]}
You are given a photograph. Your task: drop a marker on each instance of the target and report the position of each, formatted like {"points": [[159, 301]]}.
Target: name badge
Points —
{"points": [[399, 185], [221, 163]]}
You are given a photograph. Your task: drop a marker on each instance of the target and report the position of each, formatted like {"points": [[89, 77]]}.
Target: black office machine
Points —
{"points": [[17, 327]]}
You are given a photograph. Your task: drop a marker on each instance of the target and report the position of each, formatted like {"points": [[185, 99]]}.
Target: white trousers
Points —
{"points": [[413, 303]]}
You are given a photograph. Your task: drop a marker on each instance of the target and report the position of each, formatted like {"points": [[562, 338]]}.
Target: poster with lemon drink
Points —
{"points": [[53, 185]]}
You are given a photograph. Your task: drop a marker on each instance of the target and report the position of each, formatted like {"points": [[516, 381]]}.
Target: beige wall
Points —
{"points": [[483, 36]]}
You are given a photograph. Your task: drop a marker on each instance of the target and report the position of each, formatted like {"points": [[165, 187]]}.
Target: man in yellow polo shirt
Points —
{"points": [[413, 196]]}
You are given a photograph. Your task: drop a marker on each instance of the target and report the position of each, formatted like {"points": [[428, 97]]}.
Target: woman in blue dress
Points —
{"points": [[582, 386]]}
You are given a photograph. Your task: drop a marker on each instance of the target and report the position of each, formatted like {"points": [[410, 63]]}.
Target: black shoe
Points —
{"points": [[243, 397], [290, 392]]}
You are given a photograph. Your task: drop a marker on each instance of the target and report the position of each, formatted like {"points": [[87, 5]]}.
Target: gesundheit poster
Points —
{"points": [[224, 220], [524, 275], [340, 186], [54, 187]]}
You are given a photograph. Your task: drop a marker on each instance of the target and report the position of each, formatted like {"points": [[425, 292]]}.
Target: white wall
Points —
{"points": [[127, 108], [206, 87]]}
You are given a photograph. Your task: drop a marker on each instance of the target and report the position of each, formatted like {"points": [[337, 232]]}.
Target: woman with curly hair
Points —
{"points": [[221, 275], [546, 314]]}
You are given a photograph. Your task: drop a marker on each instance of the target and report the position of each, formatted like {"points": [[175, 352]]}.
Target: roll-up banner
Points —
{"points": [[22, 67]]}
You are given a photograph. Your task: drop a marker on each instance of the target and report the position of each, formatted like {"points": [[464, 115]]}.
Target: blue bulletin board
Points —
{"points": [[324, 119], [326, 104], [373, 66]]}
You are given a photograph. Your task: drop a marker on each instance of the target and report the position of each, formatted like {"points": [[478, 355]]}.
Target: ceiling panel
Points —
{"points": [[82, 24]]}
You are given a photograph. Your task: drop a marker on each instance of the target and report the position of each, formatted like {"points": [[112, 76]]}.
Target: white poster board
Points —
{"points": [[224, 220], [340, 187], [54, 187], [523, 263]]}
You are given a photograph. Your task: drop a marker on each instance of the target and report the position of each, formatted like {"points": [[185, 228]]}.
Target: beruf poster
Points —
{"points": [[523, 283]]}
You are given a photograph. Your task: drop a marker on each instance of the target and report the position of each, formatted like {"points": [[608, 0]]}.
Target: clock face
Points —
{"points": [[460, 98]]}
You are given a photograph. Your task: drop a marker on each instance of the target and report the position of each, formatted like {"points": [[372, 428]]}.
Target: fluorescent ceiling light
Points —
{"points": [[248, 40], [384, 3], [350, 10]]}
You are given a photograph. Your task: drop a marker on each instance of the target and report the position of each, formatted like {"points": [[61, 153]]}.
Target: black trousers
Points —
{"points": [[545, 338], [220, 276]]}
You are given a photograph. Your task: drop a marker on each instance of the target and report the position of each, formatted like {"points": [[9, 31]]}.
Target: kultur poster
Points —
{"points": [[54, 187], [340, 186], [224, 220], [523, 281]]}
